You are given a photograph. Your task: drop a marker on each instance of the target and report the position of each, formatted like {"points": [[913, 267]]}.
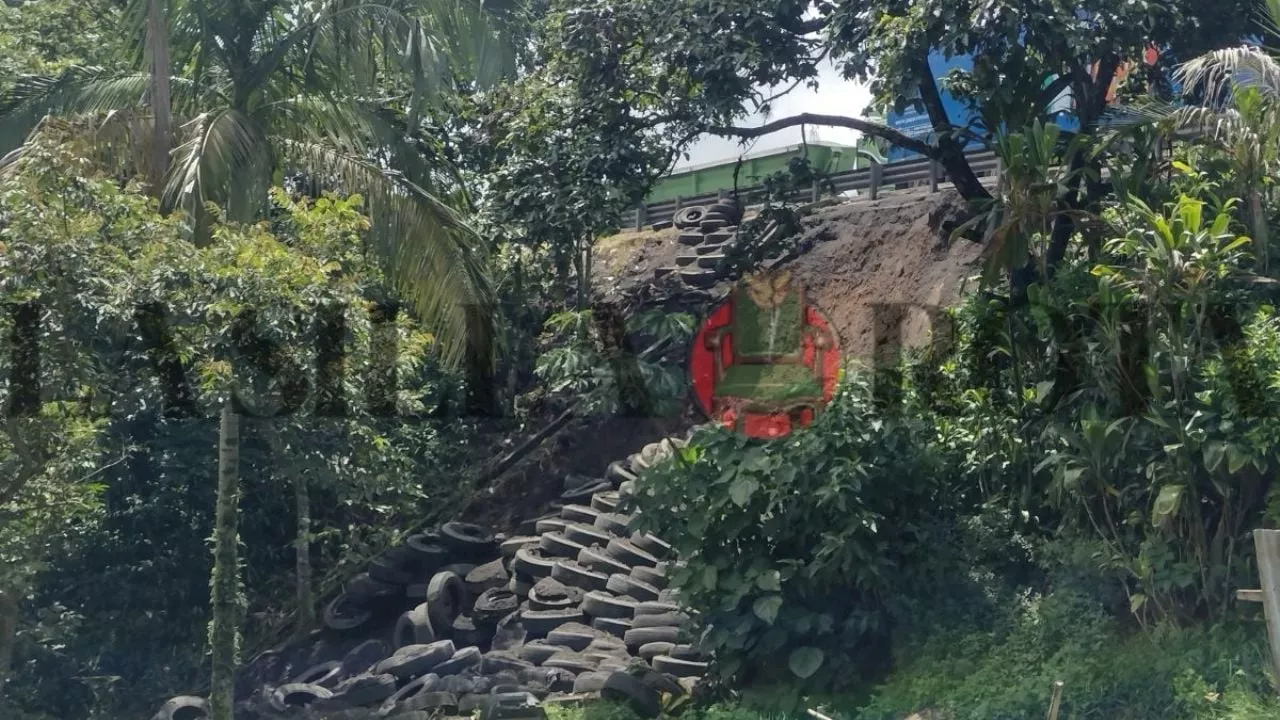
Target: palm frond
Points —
{"points": [[78, 90], [1220, 72], [431, 258], [222, 161]]}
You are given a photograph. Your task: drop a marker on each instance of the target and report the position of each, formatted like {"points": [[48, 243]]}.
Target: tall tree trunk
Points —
{"points": [[950, 149], [302, 540], [8, 633], [302, 551], [224, 631], [161, 110]]}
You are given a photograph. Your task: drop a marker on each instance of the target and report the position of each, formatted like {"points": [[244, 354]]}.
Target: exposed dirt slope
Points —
{"points": [[894, 250]]}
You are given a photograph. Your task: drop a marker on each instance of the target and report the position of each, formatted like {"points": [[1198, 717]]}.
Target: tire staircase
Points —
{"points": [[572, 607], [707, 231]]}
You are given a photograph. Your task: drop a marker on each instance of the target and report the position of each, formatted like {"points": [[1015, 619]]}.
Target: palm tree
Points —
{"points": [[1240, 110], [334, 89], [226, 598]]}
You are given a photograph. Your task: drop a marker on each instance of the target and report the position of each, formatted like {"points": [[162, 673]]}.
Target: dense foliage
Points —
{"points": [[227, 192]]}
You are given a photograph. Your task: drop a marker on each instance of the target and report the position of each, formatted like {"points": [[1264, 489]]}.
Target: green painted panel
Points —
{"points": [[831, 159]]}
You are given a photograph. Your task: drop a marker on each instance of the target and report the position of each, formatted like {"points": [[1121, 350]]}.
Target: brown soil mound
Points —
{"points": [[864, 258], [876, 267]]}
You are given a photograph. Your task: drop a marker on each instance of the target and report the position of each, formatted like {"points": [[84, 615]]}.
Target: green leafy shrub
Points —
{"points": [[794, 547], [1002, 667]]}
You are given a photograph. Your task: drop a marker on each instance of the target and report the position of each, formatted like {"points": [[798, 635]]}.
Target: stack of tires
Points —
{"points": [[575, 603]]}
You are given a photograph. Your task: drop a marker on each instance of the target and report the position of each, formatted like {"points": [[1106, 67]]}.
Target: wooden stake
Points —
{"points": [[1267, 544], [1055, 703]]}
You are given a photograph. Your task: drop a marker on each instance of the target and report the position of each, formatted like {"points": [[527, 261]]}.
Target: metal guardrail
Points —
{"points": [[873, 180]]}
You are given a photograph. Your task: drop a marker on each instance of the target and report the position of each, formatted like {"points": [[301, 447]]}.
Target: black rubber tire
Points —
{"points": [[414, 627], [605, 501], [509, 633], [467, 657], [415, 660], [636, 637], [293, 695], [603, 604], [551, 594], [495, 662], [662, 683], [689, 216], [539, 651], [429, 553], [365, 690], [393, 703], [655, 577], [730, 208], [600, 561], [468, 539], [574, 636], [620, 584], [624, 688], [679, 668], [656, 608], [671, 619], [492, 574], [616, 627], [460, 569], [651, 544], [325, 675], [183, 707], [520, 585], [571, 661], [582, 495], [493, 605], [533, 563], [368, 592], [437, 703], [342, 614], [579, 514], [467, 633], [540, 622], [361, 658], [509, 546], [633, 556], [649, 651], [553, 544], [576, 575], [548, 525], [619, 473], [411, 715], [614, 523], [589, 682], [687, 652], [513, 705], [389, 570], [458, 684], [587, 535], [446, 599]]}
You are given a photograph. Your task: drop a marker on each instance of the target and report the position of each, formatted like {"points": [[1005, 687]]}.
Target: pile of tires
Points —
{"points": [[577, 602], [709, 218]]}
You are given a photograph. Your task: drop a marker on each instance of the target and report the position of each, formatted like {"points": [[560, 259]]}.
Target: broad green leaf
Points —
{"points": [[1167, 502], [1136, 602], [1236, 458], [709, 577], [769, 580], [805, 661], [766, 608], [1213, 453], [741, 490]]}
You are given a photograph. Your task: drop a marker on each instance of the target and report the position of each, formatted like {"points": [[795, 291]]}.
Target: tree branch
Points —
{"points": [[865, 126]]}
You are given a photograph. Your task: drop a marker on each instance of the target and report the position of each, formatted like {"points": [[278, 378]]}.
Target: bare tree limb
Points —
{"points": [[866, 126]]}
